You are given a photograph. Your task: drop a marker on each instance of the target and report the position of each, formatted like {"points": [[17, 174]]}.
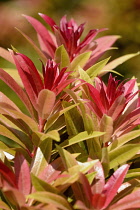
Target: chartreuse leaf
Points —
{"points": [[73, 120], [122, 154], [41, 185], [79, 60], [106, 125], [105, 161], [94, 70], [67, 158], [62, 57], [38, 137], [72, 174], [81, 137], [51, 120], [48, 197], [118, 142], [45, 103], [14, 73], [113, 64], [7, 133], [42, 157], [133, 173], [4, 206], [84, 76]]}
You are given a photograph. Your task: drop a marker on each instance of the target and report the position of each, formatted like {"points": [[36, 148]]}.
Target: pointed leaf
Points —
{"points": [[81, 137], [51, 198], [113, 64], [62, 57], [84, 76], [6, 55], [79, 60], [45, 103], [41, 185], [17, 89], [22, 174], [124, 139], [131, 201], [42, 157], [4, 206], [113, 184], [95, 70], [122, 154]]}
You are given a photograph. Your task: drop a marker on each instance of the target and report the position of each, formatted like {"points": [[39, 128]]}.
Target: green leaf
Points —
{"points": [[105, 161], [84, 76], [4, 206], [42, 157], [50, 122], [7, 133], [67, 158], [45, 103], [122, 154], [113, 64], [73, 120], [81, 137], [124, 139], [62, 57], [47, 197], [133, 173], [73, 174], [79, 60], [41, 185], [95, 70], [106, 125]]}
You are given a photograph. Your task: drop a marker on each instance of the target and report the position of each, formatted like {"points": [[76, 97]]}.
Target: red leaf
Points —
{"points": [[22, 174], [8, 174], [17, 89], [113, 184]]}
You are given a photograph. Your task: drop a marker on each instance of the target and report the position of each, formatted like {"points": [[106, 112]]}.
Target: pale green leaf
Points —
{"points": [[133, 173], [106, 125], [51, 198], [122, 154], [95, 70], [81, 137], [113, 64], [124, 139], [73, 174], [62, 57], [84, 76], [41, 185], [79, 60], [42, 157], [4, 206]]}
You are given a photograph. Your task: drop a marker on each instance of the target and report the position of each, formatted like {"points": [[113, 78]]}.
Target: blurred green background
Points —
{"points": [[121, 17]]}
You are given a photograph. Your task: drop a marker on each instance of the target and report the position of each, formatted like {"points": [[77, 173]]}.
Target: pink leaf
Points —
{"points": [[113, 184], [22, 174], [99, 180], [130, 201], [6, 55], [17, 89], [86, 187], [44, 34]]}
